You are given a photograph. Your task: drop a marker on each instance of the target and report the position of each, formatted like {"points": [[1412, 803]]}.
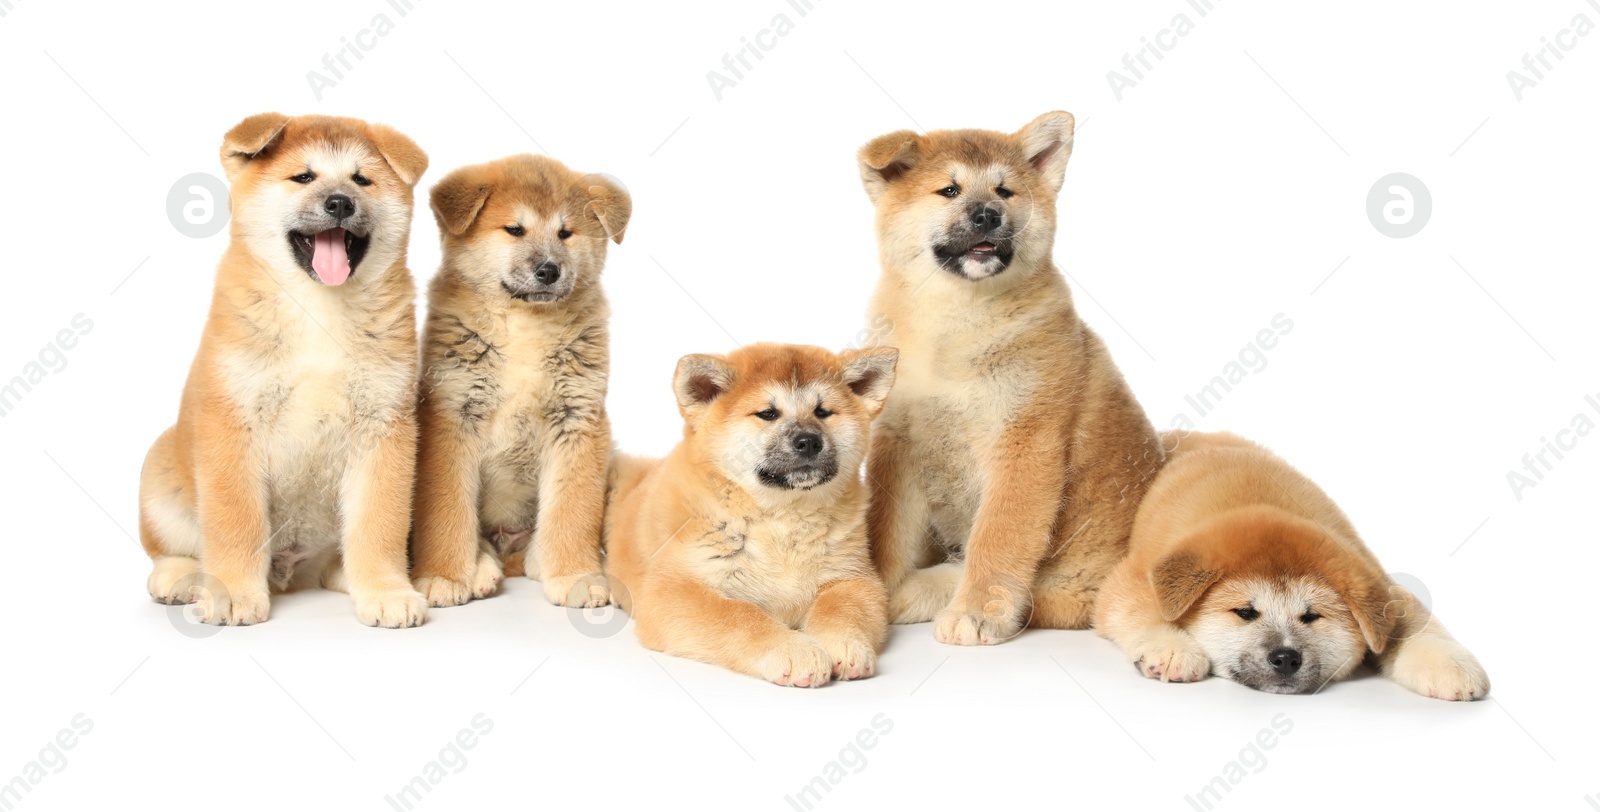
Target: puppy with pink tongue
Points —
{"points": [[291, 461]]}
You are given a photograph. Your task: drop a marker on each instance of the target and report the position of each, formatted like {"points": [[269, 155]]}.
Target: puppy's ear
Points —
{"points": [[870, 373], [1376, 603], [699, 380], [1047, 141], [458, 197], [250, 138], [402, 154], [886, 158], [1179, 580], [609, 202]]}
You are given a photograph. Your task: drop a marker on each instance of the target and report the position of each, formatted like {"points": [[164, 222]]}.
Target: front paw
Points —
{"points": [[219, 606], [439, 590], [583, 591], [1442, 669], [486, 580], [800, 661], [853, 657], [983, 617], [1171, 657], [392, 608], [919, 597]]}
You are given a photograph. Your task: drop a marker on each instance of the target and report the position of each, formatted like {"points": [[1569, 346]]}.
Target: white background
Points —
{"points": [[1222, 189]]}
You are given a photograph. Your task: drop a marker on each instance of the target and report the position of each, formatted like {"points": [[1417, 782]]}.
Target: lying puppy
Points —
{"points": [[512, 468], [296, 438], [1242, 566], [1013, 451], [746, 546]]}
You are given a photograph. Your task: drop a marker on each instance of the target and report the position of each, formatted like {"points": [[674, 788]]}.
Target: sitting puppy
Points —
{"points": [[291, 461], [746, 546], [515, 440], [1241, 566], [1008, 467]]}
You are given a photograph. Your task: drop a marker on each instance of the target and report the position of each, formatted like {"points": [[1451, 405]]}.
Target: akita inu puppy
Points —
{"points": [[1007, 468], [512, 469], [292, 458], [1241, 566], [746, 546]]}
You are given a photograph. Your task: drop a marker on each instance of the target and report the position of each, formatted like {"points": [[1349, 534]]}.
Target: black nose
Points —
{"points": [[1285, 661], [984, 218], [547, 273], [808, 444], [339, 206]]}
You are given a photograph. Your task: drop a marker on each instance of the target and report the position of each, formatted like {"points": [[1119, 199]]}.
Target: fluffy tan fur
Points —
{"points": [[1228, 526], [291, 462], [515, 439], [720, 558], [1010, 461]]}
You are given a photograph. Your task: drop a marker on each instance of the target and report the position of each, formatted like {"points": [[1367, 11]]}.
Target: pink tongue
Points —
{"points": [[328, 257]]}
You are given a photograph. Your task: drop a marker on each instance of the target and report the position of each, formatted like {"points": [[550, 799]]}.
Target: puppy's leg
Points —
{"points": [[924, 592], [231, 508], [1027, 472], [488, 575], [1070, 577], [572, 503], [445, 544], [897, 521], [850, 619], [684, 617], [375, 501], [1129, 616], [167, 526], [1423, 657], [1118, 456]]}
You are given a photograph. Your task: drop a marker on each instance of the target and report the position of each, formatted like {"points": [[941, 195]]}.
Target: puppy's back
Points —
{"points": [[1212, 473]]}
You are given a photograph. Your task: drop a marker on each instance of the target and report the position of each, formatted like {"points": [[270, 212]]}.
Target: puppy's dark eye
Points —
{"points": [[949, 191], [304, 177], [1309, 617], [768, 414], [1247, 613], [563, 234], [361, 180], [516, 231], [1003, 192], [822, 413]]}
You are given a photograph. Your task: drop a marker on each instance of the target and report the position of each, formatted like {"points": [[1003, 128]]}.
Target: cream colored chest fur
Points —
{"points": [[313, 392], [516, 387], [778, 560], [965, 371]]}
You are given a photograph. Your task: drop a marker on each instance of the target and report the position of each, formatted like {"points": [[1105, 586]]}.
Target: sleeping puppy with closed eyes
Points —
{"points": [[1239, 565]]}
